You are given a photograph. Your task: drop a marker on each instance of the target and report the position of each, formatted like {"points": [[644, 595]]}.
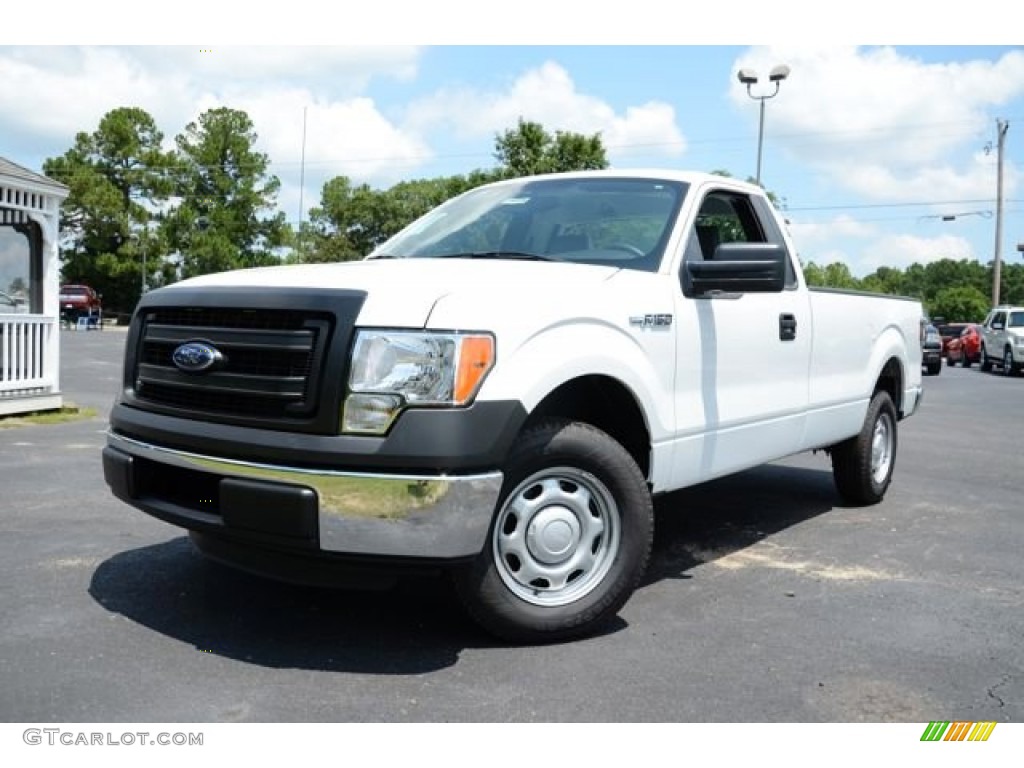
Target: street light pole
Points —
{"points": [[1001, 128], [749, 78]]}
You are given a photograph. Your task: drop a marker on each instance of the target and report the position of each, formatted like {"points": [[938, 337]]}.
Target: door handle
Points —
{"points": [[787, 327]]}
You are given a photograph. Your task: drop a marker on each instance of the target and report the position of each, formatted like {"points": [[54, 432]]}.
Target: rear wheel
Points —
{"points": [[984, 363], [862, 466], [569, 542]]}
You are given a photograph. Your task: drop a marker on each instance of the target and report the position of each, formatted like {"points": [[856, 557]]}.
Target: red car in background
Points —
{"points": [[949, 332], [80, 301], [966, 348]]}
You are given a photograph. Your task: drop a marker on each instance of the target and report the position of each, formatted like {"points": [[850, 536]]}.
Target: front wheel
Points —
{"points": [[862, 466], [570, 539], [1009, 367], [985, 363]]}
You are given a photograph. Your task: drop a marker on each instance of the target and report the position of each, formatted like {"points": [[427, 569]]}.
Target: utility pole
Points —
{"points": [[1001, 127], [302, 179]]}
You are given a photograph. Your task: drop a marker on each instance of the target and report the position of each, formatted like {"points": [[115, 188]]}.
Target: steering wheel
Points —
{"points": [[628, 247]]}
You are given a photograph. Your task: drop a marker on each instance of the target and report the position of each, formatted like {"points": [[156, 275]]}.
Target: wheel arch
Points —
{"points": [[890, 379], [605, 403]]}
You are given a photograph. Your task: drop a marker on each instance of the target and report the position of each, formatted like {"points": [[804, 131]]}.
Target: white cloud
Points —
{"points": [[883, 124], [810, 234], [343, 138], [865, 246], [548, 96], [343, 70], [900, 251], [72, 88]]}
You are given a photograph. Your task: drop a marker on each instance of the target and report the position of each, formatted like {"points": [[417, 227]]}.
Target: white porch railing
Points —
{"points": [[27, 362]]}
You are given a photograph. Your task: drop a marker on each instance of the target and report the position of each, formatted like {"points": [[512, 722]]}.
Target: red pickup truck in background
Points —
{"points": [[80, 301]]}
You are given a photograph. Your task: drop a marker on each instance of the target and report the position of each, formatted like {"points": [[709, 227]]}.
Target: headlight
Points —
{"points": [[393, 370], [1020, 341]]}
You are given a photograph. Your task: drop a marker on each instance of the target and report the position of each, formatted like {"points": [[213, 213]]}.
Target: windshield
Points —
{"points": [[615, 222]]}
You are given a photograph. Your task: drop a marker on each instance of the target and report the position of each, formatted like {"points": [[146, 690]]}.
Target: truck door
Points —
{"points": [[743, 359]]}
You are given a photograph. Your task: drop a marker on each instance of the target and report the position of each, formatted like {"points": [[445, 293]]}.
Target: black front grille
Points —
{"points": [[267, 370]]}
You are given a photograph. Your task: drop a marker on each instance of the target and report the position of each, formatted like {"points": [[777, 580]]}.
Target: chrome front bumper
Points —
{"points": [[389, 515]]}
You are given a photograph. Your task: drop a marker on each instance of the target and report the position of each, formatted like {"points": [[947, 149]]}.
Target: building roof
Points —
{"points": [[18, 173]]}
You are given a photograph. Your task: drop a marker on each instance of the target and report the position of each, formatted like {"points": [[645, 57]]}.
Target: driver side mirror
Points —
{"points": [[737, 268]]}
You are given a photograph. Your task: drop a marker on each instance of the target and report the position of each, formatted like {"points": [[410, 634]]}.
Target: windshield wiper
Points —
{"points": [[513, 255]]}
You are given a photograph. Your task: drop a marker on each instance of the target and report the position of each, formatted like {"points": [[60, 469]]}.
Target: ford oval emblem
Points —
{"points": [[196, 357]]}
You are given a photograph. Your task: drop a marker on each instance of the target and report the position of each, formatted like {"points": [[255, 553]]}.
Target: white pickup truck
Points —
{"points": [[502, 387]]}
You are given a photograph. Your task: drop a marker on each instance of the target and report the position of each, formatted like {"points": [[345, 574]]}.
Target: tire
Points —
{"points": [[862, 466], [570, 539], [1010, 368], [984, 363], [934, 368], [965, 361]]}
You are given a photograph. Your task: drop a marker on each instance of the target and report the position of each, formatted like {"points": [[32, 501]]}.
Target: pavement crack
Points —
{"points": [[992, 691]]}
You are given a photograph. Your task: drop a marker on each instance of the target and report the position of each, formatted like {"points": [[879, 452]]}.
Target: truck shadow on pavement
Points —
{"points": [[419, 625], [713, 520]]}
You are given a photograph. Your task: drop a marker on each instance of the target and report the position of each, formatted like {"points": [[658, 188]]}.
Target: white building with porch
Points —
{"points": [[29, 290]]}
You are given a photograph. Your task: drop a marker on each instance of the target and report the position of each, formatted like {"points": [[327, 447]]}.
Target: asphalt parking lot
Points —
{"points": [[766, 600]]}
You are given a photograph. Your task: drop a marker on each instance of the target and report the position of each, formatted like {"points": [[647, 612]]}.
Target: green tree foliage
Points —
{"points": [[227, 217], [960, 303], [528, 149], [117, 177], [959, 291], [834, 275], [353, 220]]}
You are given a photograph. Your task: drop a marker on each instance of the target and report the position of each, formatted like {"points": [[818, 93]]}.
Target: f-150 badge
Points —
{"points": [[651, 321]]}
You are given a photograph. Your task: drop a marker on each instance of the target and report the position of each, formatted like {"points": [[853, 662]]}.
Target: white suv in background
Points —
{"points": [[1002, 340]]}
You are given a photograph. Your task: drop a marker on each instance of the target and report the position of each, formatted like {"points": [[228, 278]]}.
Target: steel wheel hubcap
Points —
{"points": [[881, 449], [556, 536]]}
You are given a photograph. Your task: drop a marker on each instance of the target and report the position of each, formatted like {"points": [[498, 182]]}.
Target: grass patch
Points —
{"points": [[69, 412]]}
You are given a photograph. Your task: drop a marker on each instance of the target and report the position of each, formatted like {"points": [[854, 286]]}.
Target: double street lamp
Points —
{"points": [[749, 78]]}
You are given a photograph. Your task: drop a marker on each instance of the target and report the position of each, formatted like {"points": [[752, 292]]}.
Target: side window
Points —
{"points": [[732, 217], [1000, 319], [725, 217]]}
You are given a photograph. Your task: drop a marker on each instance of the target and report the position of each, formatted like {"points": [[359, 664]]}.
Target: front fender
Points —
{"points": [[642, 360]]}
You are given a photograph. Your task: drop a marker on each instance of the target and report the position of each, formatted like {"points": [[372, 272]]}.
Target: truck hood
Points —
{"points": [[402, 292]]}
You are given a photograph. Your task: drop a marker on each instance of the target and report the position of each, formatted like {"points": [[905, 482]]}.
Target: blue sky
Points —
{"points": [[869, 146]]}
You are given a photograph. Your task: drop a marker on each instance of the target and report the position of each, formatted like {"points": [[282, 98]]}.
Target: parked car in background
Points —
{"points": [[1002, 340], [949, 332], [78, 301], [965, 349], [12, 305], [931, 350]]}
